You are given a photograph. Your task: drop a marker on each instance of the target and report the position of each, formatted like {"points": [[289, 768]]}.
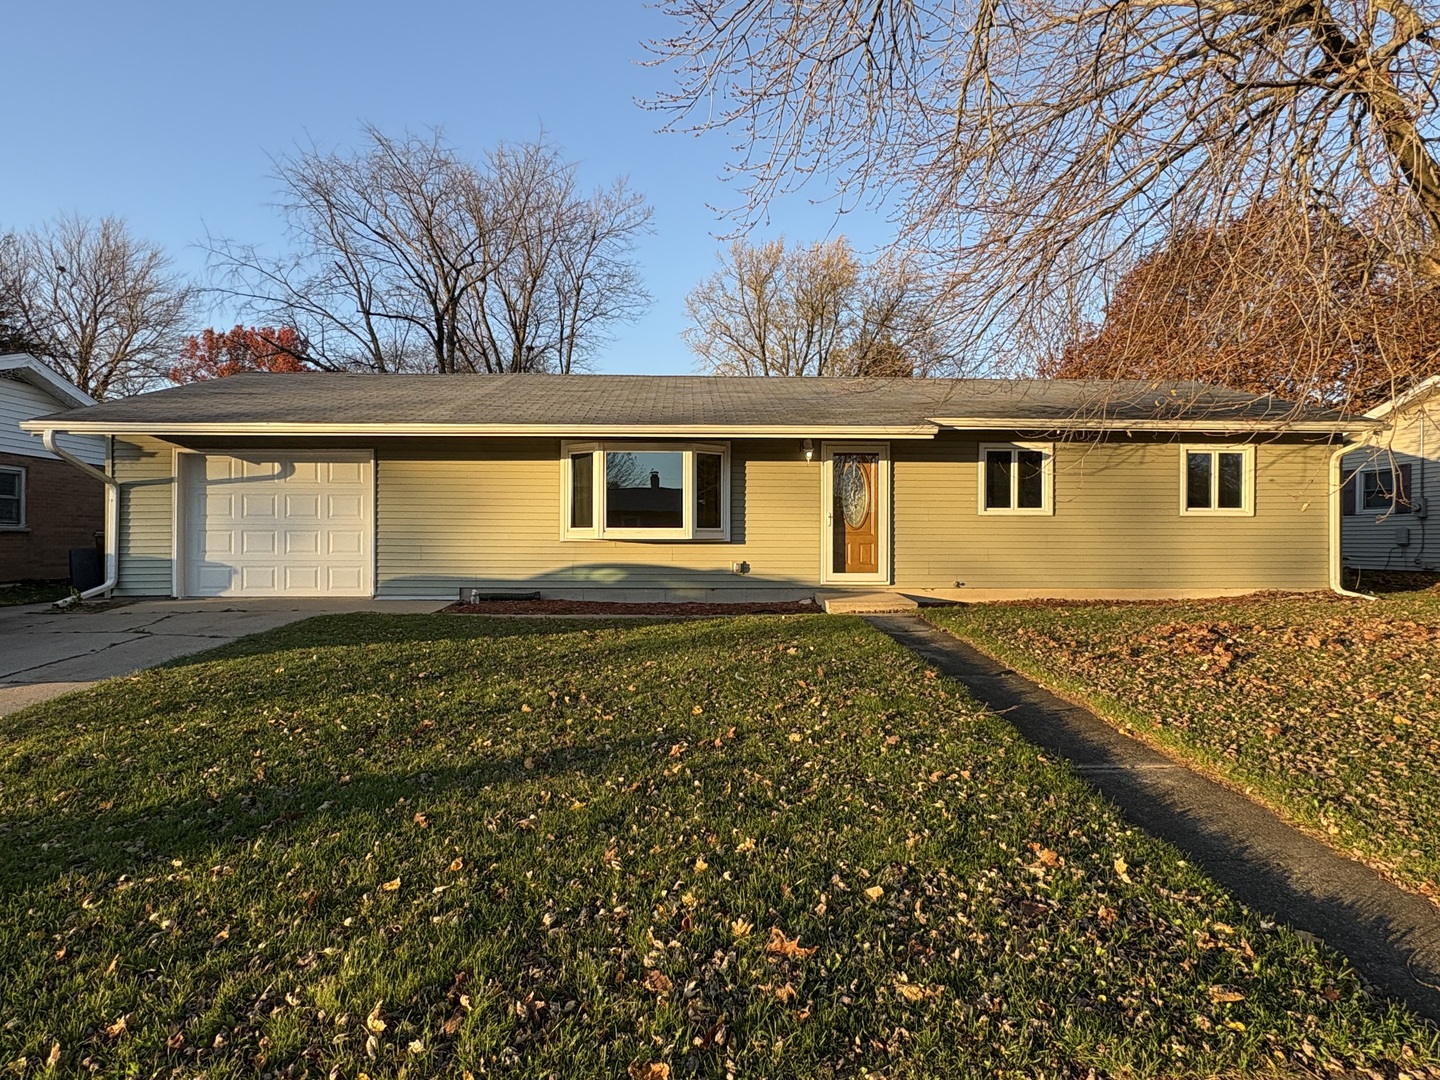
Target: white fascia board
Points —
{"points": [[582, 431], [1227, 427], [1414, 396]]}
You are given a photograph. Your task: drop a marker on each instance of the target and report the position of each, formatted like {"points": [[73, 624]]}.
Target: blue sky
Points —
{"points": [[167, 114]]}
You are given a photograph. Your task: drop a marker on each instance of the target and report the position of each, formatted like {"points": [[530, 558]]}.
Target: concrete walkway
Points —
{"points": [[45, 653], [1390, 936]]}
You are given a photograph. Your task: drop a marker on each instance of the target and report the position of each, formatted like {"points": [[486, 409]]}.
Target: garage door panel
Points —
{"points": [[299, 526], [258, 542], [303, 578], [344, 542], [302, 506], [350, 507], [302, 542], [343, 579], [219, 542]]}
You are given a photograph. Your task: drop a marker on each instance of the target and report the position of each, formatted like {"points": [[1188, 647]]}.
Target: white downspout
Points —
{"points": [[1337, 489], [112, 513]]}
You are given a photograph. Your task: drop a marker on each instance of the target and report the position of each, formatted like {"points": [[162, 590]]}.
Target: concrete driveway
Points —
{"points": [[45, 653]]}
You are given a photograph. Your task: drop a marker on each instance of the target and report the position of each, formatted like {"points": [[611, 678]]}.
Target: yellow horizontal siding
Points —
{"points": [[144, 468], [491, 519], [1116, 525]]}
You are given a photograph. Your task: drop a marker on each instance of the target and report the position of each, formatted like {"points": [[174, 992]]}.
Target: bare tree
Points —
{"points": [[811, 310], [407, 257], [1033, 147], [98, 305]]}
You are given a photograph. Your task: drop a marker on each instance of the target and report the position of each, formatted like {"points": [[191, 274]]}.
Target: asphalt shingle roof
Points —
{"points": [[621, 401]]}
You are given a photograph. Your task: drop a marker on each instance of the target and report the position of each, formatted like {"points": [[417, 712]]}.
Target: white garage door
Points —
{"points": [[279, 526]]}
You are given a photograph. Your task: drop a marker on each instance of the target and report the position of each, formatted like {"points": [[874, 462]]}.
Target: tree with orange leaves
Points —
{"points": [[1306, 310], [216, 354]]}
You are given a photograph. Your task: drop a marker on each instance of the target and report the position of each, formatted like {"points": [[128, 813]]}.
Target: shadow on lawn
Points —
{"points": [[39, 846], [378, 628], [1391, 937]]}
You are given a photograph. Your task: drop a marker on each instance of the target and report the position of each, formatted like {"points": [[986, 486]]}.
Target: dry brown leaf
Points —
{"points": [[658, 981], [375, 1022], [391, 886], [1223, 994], [119, 1027], [54, 1058], [874, 892], [780, 945], [650, 1070], [421, 820], [457, 865]]}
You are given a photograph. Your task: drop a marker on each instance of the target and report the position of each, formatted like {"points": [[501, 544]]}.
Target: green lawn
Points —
{"points": [[764, 847], [1327, 708]]}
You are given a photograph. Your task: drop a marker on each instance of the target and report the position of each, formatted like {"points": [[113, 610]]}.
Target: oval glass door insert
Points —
{"points": [[854, 493]]}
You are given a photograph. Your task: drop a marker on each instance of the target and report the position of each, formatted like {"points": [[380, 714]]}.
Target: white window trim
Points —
{"points": [[599, 531], [21, 525], [1247, 497], [1047, 480], [1374, 511]]}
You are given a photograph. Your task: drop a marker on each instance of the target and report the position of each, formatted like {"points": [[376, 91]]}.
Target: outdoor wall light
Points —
{"points": [[809, 450]]}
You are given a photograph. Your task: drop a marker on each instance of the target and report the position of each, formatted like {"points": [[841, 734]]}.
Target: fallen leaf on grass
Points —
{"points": [[1223, 994], [391, 886], [739, 928], [650, 1070], [119, 1027], [375, 1022], [54, 1058], [780, 945], [874, 892], [658, 981], [421, 820], [746, 846], [457, 866]]}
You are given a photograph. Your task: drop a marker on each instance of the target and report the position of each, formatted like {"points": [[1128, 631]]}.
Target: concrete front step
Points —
{"points": [[870, 603]]}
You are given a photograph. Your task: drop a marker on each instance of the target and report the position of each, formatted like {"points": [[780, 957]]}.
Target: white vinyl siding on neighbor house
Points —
{"points": [[21, 401], [1371, 538]]}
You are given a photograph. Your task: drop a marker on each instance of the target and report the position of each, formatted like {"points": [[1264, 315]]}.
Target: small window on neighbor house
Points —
{"points": [[1016, 478], [1379, 491], [1218, 481], [12, 498]]}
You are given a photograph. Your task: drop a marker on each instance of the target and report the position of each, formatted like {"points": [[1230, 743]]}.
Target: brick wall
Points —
{"points": [[64, 509]]}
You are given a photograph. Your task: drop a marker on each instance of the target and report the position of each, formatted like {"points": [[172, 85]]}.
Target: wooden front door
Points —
{"points": [[855, 512]]}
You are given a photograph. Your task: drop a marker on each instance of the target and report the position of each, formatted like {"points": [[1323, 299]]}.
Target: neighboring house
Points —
{"points": [[46, 506], [712, 487], [1392, 487]]}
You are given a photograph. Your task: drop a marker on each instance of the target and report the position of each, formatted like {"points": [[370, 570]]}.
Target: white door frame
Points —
{"points": [[828, 450], [180, 523]]}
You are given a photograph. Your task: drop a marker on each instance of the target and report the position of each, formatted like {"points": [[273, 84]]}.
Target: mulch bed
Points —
{"points": [[608, 607]]}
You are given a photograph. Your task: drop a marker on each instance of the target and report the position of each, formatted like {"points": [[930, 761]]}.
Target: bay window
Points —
{"points": [[646, 491]]}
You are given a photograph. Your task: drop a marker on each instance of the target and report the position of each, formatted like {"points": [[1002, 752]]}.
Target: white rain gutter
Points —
{"points": [[1337, 488], [112, 512]]}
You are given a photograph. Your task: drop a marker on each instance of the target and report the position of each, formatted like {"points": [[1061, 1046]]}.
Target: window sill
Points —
{"points": [[1041, 511], [645, 539], [14, 528], [1216, 513]]}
